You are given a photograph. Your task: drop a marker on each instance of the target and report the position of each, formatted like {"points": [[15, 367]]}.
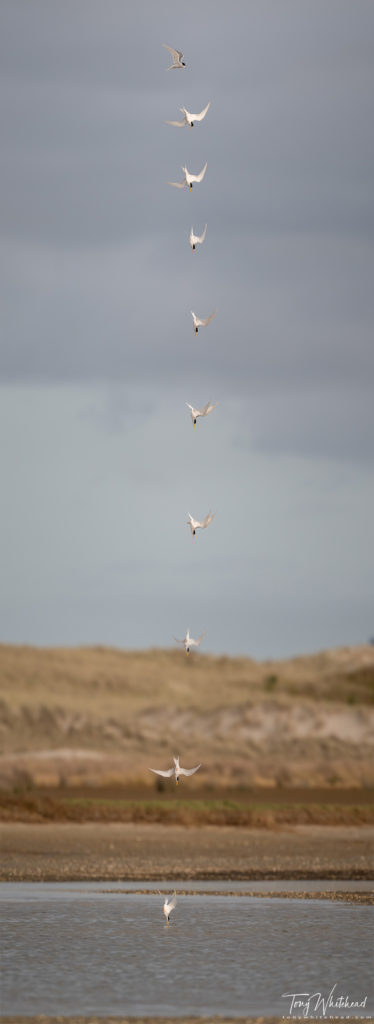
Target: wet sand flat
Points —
{"points": [[127, 851]]}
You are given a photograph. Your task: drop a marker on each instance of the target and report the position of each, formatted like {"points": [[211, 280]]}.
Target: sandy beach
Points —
{"points": [[129, 851]]}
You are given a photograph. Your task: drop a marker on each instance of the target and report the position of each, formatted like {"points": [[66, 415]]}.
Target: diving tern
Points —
{"points": [[189, 178], [190, 642], [169, 905], [189, 119], [176, 770], [195, 413], [177, 58], [195, 524], [197, 239], [200, 322]]}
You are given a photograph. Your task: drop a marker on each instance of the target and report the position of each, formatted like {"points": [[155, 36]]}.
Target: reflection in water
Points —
{"points": [[73, 952]]}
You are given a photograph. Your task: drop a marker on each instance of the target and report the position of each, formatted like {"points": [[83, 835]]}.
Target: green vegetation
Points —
{"points": [[262, 811]]}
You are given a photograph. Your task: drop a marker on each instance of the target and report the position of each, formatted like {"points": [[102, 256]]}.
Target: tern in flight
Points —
{"points": [[189, 119], [190, 642], [200, 322], [176, 770], [195, 524], [169, 905], [177, 58], [195, 413], [197, 239], [189, 178]]}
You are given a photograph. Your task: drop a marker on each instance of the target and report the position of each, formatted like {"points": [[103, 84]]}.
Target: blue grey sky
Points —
{"points": [[100, 465]]}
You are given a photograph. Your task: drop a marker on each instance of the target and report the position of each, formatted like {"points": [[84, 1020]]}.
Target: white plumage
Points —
{"points": [[188, 642], [177, 58], [197, 239], [176, 770], [189, 178], [189, 119], [199, 321], [195, 413], [195, 524], [169, 905]]}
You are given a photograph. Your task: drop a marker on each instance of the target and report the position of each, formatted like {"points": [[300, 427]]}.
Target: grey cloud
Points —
{"points": [[288, 137], [98, 354], [318, 423]]}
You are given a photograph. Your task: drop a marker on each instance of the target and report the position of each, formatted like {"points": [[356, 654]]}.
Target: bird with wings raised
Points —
{"points": [[199, 321], [177, 58], [195, 524], [197, 239], [189, 642], [176, 770], [189, 119], [195, 413], [189, 178], [169, 905]]}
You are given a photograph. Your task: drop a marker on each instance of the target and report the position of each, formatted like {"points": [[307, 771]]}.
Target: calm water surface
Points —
{"points": [[77, 949]]}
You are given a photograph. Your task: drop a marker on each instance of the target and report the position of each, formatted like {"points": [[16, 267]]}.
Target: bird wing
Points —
{"points": [[189, 771], [178, 124], [201, 238], [208, 519], [178, 184], [173, 902], [196, 643], [199, 177], [166, 775], [176, 54], [177, 642], [208, 318], [199, 117], [195, 319], [208, 408]]}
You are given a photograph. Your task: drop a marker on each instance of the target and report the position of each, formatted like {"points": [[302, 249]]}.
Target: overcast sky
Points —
{"points": [[100, 465]]}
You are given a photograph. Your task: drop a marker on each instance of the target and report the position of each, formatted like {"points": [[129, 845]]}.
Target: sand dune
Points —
{"points": [[85, 715]]}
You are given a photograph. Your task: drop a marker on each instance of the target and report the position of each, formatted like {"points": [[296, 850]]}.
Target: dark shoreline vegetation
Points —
{"points": [[266, 808]]}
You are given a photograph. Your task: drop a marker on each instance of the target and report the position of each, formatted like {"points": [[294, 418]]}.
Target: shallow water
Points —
{"points": [[78, 949]]}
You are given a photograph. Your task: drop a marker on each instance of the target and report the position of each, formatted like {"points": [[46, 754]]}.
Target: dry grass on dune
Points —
{"points": [[157, 677], [99, 714]]}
